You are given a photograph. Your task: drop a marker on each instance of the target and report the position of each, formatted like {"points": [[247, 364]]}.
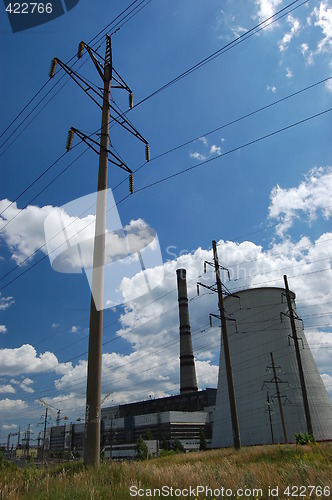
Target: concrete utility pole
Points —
{"points": [[275, 379], [299, 361], [44, 436], [107, 72], [93, 390], [229, 373]]}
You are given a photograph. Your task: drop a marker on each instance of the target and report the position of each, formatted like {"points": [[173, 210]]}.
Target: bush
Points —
{"points": [[177, 446], [142, 451], [304, 439], [202, 440], [166, 453]]}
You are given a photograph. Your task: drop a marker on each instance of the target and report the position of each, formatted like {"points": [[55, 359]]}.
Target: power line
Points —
{"points": [[233, 150], [81, 380], [165, 313], [192, 168], [46, 83], [232, 122], [263, 22], [225, 48]]}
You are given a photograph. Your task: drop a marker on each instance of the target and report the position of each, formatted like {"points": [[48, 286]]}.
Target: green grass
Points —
{"points": [[255, 467]]}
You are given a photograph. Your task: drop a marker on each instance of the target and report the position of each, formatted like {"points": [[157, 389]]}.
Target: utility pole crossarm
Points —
{"points": [[81, 82], [91, 52], [90, 142], [121, 83], [122, 120], [213, 288], [276, 382]]}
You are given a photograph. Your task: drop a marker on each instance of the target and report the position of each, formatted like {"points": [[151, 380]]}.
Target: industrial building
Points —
{"points": [[258, 327], [263, 364], [181, 417]]}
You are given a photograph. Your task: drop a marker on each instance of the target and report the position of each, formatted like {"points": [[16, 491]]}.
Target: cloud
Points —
{"points": [[74, 329], [215, 150], [7, 405], [55, 325], [8, 427], [271, 88], [149, 327], [307, 54], [3, 329], [312, 195], [24, 359], [203, 140], [238, 31], [7, 389], [289, 73], [266, 9], [6, 302], [327, 379], [295, 27], [24, 384], [197, 156], [323, 19], [25, 234], [328, 85]]}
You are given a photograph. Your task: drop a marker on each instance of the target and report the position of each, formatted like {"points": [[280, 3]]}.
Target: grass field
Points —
{"points": [[239, 473]]}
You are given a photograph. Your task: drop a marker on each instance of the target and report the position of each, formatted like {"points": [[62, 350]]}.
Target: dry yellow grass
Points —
{"points": [[251, 468]]}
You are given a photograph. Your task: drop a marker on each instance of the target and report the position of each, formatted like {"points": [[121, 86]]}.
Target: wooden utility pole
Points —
{"points": [[228, 364], [299, 361], [275, 379]]}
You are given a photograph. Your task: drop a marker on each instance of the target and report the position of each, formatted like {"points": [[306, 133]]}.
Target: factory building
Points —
{"points": [[263, 363], [181, 417], [260, 335]]}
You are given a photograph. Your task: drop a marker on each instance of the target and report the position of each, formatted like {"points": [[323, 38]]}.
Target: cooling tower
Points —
{"points": [[188, 382], [262, 327]]}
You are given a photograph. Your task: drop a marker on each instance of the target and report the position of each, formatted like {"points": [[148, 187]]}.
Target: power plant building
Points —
{"points": [[264, 364], [260, 336]]}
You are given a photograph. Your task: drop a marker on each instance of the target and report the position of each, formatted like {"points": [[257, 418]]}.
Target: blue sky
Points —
{"points": [[267, 204]]}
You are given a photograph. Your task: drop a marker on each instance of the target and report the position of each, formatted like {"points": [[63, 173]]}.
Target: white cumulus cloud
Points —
{"points": [[8, 405], [25, 234], [9, 389], [24, 359], [313, 195], [323, 19], [266, 9]]}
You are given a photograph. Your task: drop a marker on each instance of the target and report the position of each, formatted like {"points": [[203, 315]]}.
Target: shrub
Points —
{"points": [[177, 446], [202, 440], [304, 439], [142, 451], [166, 453]]}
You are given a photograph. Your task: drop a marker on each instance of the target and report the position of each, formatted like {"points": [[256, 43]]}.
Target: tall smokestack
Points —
{"points": [[188, 382]]}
